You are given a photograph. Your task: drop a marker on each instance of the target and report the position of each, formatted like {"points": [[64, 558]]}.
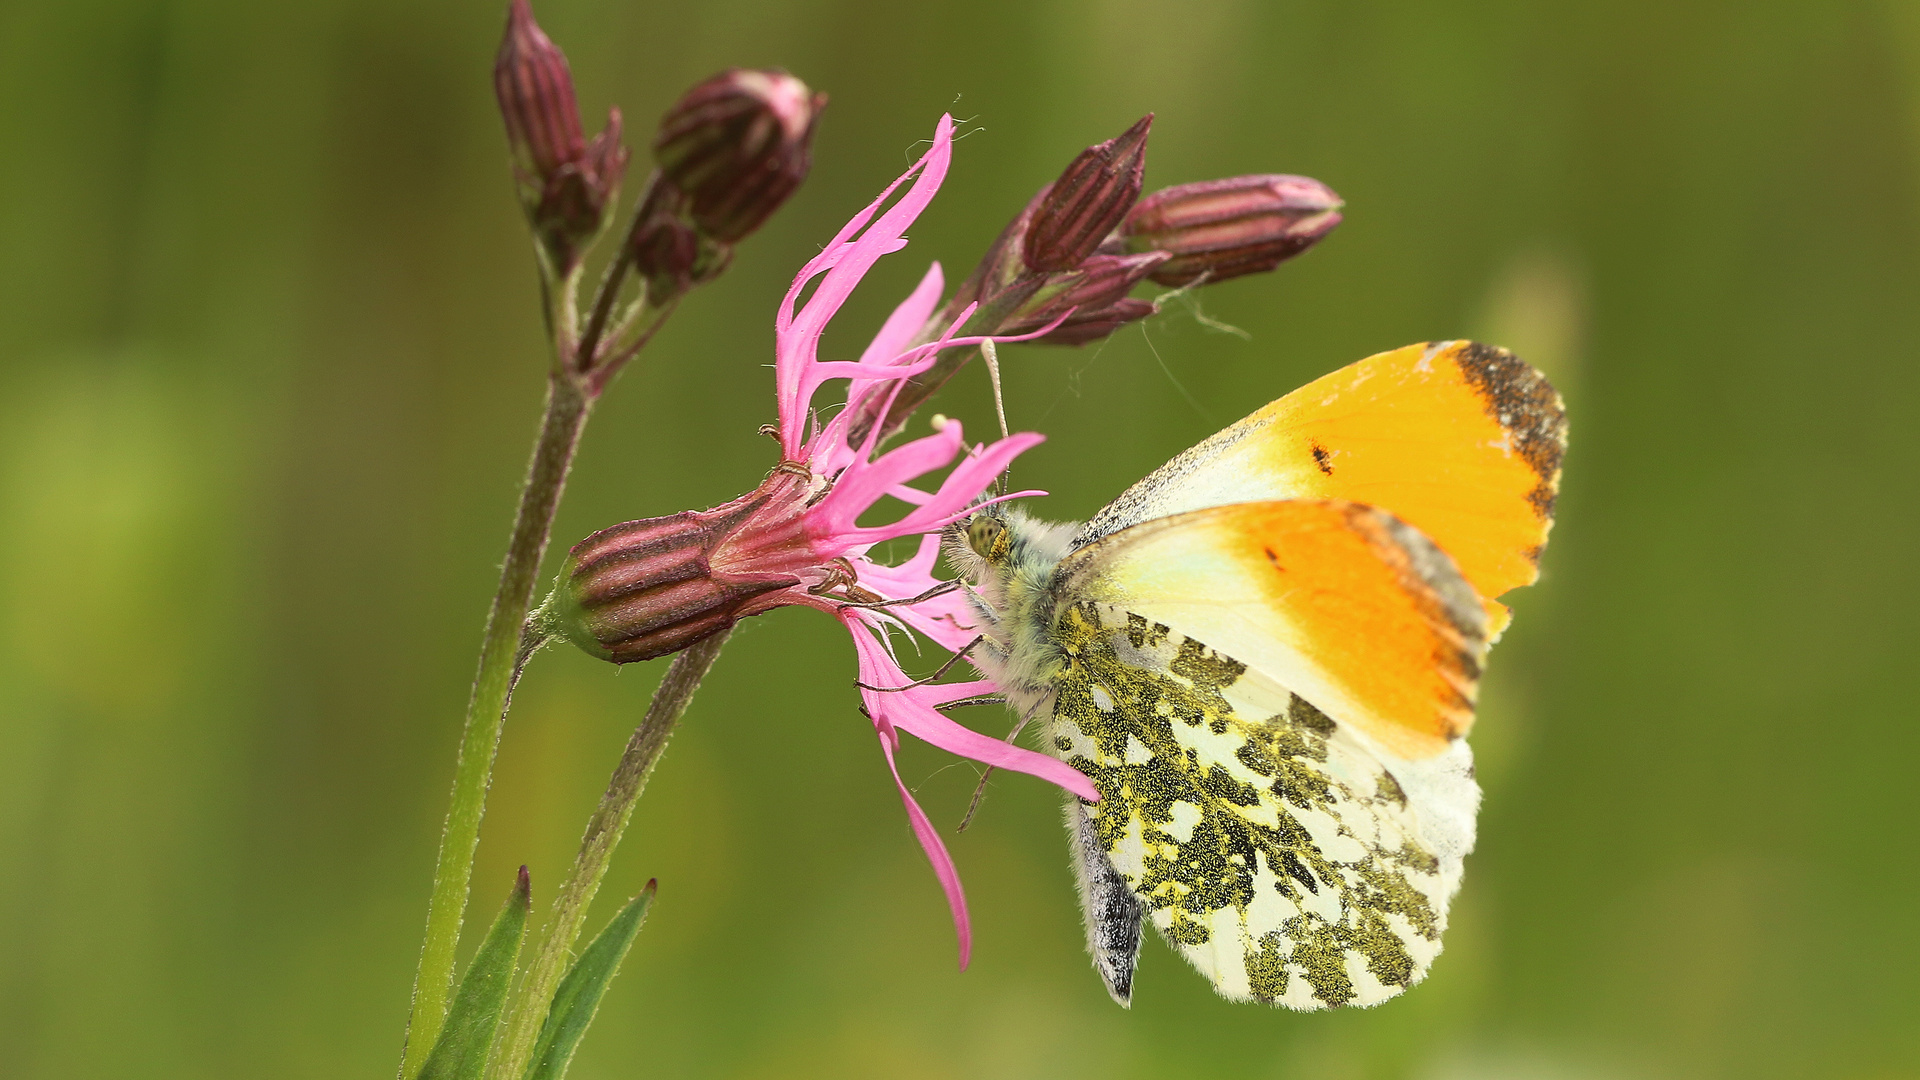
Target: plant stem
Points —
{"points": [[568, 405], [596, 850], [586, 354], [646, 322]]}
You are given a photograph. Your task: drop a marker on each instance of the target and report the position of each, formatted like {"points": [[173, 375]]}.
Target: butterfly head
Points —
{"points": [[980, 546], [988, 537], [1000, 548]]}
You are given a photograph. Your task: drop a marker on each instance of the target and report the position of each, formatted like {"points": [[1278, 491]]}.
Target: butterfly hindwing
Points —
{"points": [[1113, 910], [1341, 603], [1278, 851]]}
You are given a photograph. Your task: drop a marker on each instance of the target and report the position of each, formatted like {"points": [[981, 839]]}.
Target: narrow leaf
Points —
{"points": [[578, 997], [461, 1052]]}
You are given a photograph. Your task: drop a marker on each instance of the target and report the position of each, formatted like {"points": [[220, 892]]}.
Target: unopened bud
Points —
{"points": [[738, 145], [1220, 229], [566, 183], [1091, 197], [665, 250], [648, 588], [536, 97], [1092, 324], [668, 251], [1100, 283]]}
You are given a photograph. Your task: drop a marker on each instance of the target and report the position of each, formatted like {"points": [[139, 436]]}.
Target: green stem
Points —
{"points": [[646, 322], [568, 405], [586, 354], [596, 850]]}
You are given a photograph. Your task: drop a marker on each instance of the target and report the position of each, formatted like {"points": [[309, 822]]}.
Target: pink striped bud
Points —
{"points": [[1220, 229], [567, 184], [738, 144], [1091, 197], [1092, 324], [669, 251], [648, 588], [1099, 285]]}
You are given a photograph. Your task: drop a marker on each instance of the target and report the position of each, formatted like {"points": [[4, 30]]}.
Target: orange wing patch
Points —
{"points": [[1462, 441], [1341, 603]]}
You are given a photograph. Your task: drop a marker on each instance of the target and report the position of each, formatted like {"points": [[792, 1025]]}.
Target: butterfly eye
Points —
{"points": [[981, 534]]}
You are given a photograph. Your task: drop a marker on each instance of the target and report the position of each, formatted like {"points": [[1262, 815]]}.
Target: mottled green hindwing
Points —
{"points": [[1286, 857]]}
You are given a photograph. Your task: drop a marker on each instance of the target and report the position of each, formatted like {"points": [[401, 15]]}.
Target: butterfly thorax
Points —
{"points": [[1011, 560]]}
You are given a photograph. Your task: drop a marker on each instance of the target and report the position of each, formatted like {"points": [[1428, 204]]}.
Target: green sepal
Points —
{"points": [[578, 997], [467, 1039]]}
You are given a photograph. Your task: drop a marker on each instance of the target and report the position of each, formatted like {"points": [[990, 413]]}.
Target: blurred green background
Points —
{"points": [[270, 361]]}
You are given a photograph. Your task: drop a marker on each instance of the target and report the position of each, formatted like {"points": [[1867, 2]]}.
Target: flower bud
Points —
{"points": [[738, 145], [1220, 229], [1092, 324], [668, 251], [648, 588], [1097, 287], [535, 88], [566, 183], [665, 250], [1091, 197]]}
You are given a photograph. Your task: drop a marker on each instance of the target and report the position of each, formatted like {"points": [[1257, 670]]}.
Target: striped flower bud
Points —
{"points": [[1091, 296], [567, 183], [1220, 229], [648, 588], [1091, 197], [738, 144]]}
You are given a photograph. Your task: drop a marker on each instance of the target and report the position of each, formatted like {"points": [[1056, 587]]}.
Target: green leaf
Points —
{"points": [[467, 1039], [580, 990]]}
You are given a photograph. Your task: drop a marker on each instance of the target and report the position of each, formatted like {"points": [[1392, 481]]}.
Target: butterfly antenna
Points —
{"points": [[992, 358]]}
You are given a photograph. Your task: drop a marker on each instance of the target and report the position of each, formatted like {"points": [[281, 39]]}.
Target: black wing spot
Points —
{"points": [[1291, 865], [1302, 712], [1321, 458], [1274, 559]]}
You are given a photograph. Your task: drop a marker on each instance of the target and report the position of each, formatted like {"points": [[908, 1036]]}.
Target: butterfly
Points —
{"points": [[1265, 657]]}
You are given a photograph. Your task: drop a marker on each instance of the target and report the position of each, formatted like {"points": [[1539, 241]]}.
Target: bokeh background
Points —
{"points": [[270, 361]]}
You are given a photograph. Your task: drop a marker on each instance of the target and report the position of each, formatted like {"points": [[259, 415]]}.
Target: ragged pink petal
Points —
{"points": [[840, 268], [943, 868], [946, 618], [863, 483], [912, 496], [907, 319], [911, 709]]}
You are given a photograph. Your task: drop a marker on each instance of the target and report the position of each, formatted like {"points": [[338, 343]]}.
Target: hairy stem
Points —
{"points": [[596, 850], [568, 405], [646, 322], [608, 294]]}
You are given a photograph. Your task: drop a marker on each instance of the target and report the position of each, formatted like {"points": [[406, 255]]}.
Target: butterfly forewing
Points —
{"points": [[1272, 847], [1463, 441]]}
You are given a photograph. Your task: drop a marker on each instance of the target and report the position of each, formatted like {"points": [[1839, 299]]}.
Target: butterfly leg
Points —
{"points": [[1112, 912], [933, 678], [980, 789]]}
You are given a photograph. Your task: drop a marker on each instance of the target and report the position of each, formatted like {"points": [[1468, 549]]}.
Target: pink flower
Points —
{"points": [[647, 588]]}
